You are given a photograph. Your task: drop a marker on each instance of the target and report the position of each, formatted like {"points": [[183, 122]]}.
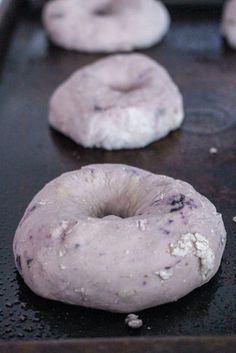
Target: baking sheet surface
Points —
{"points": [[32, 154]]}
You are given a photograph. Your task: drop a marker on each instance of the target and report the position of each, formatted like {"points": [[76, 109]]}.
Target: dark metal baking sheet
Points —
{"points": [[126, 345], [8, 14], [32, 154]]}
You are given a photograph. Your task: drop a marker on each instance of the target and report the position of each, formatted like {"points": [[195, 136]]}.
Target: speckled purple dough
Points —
{"points": [[118, 238], [106, 25], [121, 101]]}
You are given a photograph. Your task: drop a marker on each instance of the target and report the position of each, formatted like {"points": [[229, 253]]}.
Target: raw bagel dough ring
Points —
{"points": [[105, 25], [123, 101], [118, 238], [229, 23]]}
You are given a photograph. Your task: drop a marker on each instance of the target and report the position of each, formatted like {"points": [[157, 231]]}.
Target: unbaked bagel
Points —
{"points": [[229, 23], [123, 101], [118, 238], [105, 25]]}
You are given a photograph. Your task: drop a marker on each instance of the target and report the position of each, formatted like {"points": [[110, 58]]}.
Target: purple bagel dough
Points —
{"points": [[118, 238], [105, 25], [122, 101]]}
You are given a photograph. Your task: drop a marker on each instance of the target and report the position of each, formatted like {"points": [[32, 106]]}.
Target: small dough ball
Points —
{"points": [[123, 101], [133, 321], [105, 25], [229, 23]]}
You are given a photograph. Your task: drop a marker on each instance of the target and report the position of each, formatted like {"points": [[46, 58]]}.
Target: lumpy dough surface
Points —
{"points": [[120, 102], [105, 25], [118, 238]]}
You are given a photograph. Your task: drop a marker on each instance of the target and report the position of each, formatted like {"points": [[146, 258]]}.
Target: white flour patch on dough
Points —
{"points": [[165, 273], [198, 245]]}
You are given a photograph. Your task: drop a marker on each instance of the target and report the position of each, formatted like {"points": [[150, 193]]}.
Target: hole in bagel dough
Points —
{"points": [[129, 87], [119, 196], [107, 10], [115, 213], [102, 12], [116, 208]]}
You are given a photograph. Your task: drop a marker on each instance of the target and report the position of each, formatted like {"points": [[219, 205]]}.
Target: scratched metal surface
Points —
{"points": [[32, 154]]}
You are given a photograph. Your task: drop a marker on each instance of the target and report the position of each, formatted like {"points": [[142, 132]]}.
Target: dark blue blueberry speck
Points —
{"points": [[191, 204], [177, 199], [166, 231], [98, 109], [178, 202], [27, 213], [28, 262]]}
